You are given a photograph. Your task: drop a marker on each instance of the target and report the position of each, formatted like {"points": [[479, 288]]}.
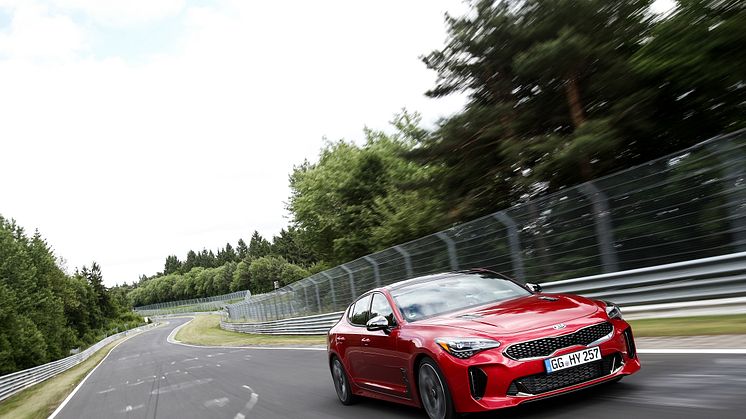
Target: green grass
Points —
{"points": [[40, 400], [205, 330], [691, 326]]}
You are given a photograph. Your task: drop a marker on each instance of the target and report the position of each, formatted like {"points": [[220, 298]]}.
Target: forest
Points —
{"points": [[44, 312], [559, 92]]}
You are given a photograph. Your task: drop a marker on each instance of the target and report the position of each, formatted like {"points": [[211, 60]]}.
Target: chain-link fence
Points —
{"points": [[687, 205], [216, 302]]}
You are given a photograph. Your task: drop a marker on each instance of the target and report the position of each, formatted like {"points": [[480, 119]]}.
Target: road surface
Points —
{"points": [[148, 377]]}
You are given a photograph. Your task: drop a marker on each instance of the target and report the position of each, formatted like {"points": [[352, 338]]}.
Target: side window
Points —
{"points": [[381, 307], [360, 313]]}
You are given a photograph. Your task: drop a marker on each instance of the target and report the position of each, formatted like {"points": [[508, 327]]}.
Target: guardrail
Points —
{"points": [[12, 383], [217, 302], [309, 325], [703, 286]]}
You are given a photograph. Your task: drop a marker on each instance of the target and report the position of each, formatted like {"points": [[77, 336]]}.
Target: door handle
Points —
{"points": [[340, 339], [365, 341]]}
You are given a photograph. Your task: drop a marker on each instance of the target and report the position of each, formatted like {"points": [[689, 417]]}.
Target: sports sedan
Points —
{"points": [[475, 341]]}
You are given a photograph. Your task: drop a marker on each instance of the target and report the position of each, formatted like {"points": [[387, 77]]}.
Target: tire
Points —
{"points": [[342, 382], [434, 394]]}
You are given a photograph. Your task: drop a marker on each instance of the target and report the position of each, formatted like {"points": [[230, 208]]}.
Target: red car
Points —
{"points": [[475, 341]]}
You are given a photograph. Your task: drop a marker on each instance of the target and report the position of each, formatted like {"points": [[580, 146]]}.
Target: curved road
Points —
{"points": [[148, 377]]}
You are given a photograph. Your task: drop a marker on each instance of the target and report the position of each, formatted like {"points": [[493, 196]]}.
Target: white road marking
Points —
{"points": [[216, 402], [195, 367], [131, 408], [693, 351], [137, 383], [217, 365], [252, 399], [108, 390], [180, 386], [80, 384], [239, 416]]}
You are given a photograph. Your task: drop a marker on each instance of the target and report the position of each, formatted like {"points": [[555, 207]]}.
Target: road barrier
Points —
{"points": [[703, 286], [217, 302], [12, 383]]}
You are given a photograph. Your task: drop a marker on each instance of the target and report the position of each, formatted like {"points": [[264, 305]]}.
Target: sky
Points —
{"points": [[131, 130]]}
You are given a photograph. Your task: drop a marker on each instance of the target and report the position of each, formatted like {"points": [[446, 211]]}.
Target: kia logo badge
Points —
{"points": [[559, 326]]}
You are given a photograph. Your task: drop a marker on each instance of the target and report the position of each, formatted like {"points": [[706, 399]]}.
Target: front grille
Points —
{"points": [[542, 383], [547, 346]]}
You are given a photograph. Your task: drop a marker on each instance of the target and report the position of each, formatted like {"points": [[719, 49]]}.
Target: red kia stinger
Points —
{"points": [[475, 341]]}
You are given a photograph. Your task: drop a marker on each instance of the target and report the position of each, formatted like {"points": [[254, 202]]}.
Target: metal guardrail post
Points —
{"points": [[452, 256], [305, 293], [514, 241], [352, 280], [407, 260], [376, 273], [331, 288], [604, 232]]}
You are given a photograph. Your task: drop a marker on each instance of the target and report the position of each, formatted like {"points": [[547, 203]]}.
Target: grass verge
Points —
{"points": [[691, 326], [205, 330], [40, 400]]}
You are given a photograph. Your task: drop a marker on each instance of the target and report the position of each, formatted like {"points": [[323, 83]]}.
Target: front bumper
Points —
{"points": [[490, 380]]}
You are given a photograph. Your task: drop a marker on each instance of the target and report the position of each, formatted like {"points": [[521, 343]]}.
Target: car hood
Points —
{"points": [[519, 314]]}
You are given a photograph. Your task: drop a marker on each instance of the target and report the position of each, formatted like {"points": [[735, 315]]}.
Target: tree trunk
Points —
{"points": [[573, 100]]}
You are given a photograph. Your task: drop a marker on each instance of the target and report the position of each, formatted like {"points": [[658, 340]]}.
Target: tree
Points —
{"points": [[173, 264], [548, 82], [258, 246], [341, 205], [242, 249]]}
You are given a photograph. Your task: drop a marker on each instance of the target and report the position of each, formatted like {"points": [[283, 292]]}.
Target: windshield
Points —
{"points": [[452, 293]]}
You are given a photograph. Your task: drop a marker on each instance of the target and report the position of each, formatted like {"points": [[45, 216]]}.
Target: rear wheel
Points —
{"points": [[341, 382], [434, 393]]}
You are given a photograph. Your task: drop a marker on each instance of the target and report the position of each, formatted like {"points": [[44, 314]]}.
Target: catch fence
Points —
{"points": [[687, 205]]}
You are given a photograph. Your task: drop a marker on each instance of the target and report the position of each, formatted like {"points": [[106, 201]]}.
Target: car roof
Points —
{"points": [[442, 275]]}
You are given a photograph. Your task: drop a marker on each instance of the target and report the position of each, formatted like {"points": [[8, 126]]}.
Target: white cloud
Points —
{"points": [[35, 34], [123, 12], [125, 163]]}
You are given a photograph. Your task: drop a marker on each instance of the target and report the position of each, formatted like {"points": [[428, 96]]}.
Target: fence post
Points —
{"points": [[331, 288], [514, 241], [318, 295], [352, 280], [451, 249], [407, 260], [604, 232], [376, 273], [733, 172]]}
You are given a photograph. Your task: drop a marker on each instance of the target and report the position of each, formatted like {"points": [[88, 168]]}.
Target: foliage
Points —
{"points": [[356, 198], [44, 312]]}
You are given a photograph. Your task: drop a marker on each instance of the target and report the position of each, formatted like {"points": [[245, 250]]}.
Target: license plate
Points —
{"points": [[572, 359]]}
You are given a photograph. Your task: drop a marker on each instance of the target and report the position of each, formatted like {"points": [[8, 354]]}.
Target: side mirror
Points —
{"points": [[378, 323], [535, 288]]}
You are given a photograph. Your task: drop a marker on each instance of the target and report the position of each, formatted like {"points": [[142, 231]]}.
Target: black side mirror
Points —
{"points": [[535, 288], [378, 323]]}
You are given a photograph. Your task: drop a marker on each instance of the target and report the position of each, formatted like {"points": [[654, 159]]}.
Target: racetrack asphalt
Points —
{"points": [[148, 377]]}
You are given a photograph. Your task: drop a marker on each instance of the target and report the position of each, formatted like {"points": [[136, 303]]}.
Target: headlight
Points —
{"points": [[612, 310], [465, 347]]}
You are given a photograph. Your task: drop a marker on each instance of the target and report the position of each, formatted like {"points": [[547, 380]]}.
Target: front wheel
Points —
{"points": [[434, 393], [342, 383]]}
